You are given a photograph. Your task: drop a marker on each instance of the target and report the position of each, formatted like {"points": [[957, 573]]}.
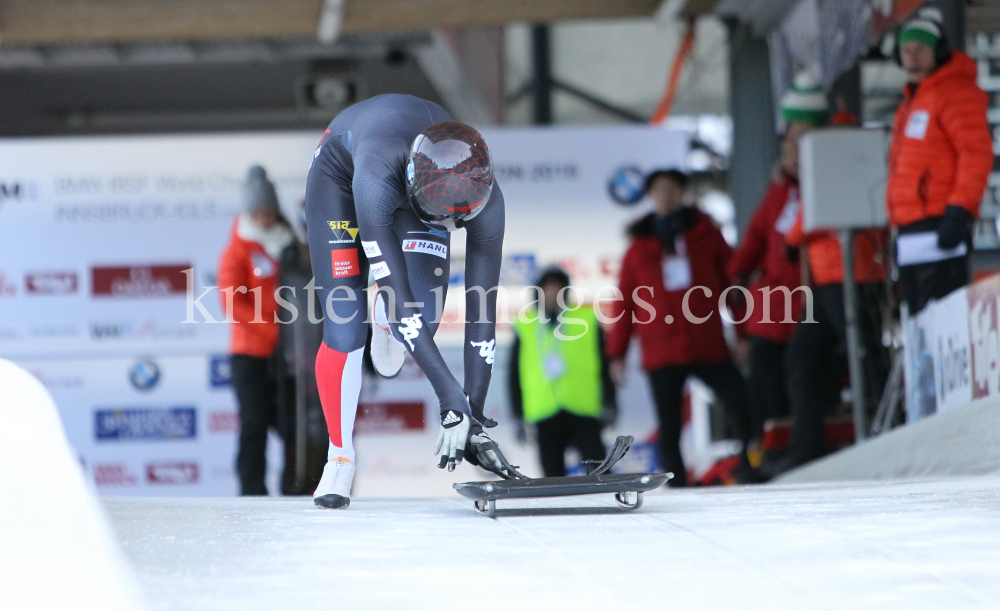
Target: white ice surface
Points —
{"points": [[914, 545]]}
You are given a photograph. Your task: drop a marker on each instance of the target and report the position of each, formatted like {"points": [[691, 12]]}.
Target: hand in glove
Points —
{"points": [[955, 228], [451, 438], [484, 452]]}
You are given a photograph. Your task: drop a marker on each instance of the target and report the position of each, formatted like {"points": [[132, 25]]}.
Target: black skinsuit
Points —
{"points": [[357, 181]]}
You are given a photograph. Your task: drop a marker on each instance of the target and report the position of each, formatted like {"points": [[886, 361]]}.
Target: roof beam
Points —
{"points": [[39, 22]]}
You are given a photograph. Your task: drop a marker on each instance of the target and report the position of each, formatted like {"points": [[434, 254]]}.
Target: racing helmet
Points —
{"points": [[449, 174]]}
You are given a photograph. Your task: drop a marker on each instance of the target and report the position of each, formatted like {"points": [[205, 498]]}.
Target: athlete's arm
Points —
{"points": [[377, 194], [483, 254]]}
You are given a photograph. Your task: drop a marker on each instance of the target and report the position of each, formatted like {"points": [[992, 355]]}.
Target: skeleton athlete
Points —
{"points": [[391, 178]]}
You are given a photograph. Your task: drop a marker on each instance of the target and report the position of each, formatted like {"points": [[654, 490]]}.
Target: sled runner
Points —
{"points": [[627, 487]]}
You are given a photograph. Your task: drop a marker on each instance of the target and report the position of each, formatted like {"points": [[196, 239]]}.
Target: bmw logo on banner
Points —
{"points": [[626, 185], [145, 375]]}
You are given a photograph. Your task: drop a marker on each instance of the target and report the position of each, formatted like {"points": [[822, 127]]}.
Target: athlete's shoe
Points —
{"points": [[334, 489], [387, 353]]}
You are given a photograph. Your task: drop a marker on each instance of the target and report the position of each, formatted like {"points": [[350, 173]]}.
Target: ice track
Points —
{"points": [[912, 545]]}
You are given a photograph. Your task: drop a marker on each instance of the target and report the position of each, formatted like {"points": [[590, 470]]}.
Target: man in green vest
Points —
{"points": [[559, 379]]}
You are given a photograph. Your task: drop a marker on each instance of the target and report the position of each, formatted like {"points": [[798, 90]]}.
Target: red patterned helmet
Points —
{"points": [[449, 174]]}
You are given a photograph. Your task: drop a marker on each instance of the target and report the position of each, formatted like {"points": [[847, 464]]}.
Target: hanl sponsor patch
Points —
{"points": [[345, 262], [138, 424], [426, 247], [343, 232]]}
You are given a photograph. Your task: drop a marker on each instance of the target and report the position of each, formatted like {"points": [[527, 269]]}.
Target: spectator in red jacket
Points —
{"points": [[762, 264], [671, 279], [939, 163], [248, 275], [814, 366]]}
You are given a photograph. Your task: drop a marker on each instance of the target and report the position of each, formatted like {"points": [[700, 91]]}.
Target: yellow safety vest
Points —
{"points": [[560, 374]]}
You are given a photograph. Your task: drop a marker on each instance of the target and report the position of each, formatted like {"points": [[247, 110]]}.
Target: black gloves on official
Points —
{"points": [[955, 228]]}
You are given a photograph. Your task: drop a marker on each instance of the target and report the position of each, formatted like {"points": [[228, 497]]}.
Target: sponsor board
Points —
{"points": [[343, 232], [219, 371], [921, 389], [114, 475], [519, 269], [426, 247], [626, 185], [345, 262], [7, 288], [389, 417], [223, 422], [53, 331], [145, 424], [139, 281], [984, 336], [953, 374], [144, 375], [172, 473], [148, 330], [51, 283], [59, 382]]}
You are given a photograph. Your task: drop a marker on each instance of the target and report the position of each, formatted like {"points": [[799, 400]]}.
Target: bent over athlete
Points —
{"points": [[392, 176]]}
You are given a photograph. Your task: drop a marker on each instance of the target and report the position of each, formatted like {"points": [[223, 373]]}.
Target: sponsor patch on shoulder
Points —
{"points": [[380, 270], [371, 249], [426, 247]]}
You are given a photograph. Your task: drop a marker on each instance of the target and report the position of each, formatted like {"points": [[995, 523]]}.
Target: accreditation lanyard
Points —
{"points": [[553, 365]]}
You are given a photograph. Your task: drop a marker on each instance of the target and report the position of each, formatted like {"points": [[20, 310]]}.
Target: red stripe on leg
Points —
{"points": [[329, 376]]}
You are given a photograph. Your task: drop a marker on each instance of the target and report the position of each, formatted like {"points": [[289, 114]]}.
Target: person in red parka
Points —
{"points": [[761, 263], [939, 163], [248, 276], [671, 278], [814, 367]]}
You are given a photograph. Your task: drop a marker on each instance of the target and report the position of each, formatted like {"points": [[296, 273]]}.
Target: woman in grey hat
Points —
{"points": [[248, 277]]}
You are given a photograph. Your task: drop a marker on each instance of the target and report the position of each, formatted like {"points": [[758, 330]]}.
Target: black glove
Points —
{"points": [[955, 228]]}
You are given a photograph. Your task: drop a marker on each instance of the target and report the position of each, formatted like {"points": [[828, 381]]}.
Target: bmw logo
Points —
{"points": [[144, 375], [626, 185], [411, 173]]}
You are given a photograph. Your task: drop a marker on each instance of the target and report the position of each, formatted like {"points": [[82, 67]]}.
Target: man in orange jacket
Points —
{"points": [[940, 159]]}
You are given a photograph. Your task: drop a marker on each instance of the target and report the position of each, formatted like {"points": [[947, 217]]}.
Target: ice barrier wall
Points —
{"points": [[57, 550]]}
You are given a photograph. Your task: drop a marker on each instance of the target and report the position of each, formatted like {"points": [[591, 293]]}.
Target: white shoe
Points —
{"points": [[334, 489], [387, 353]]}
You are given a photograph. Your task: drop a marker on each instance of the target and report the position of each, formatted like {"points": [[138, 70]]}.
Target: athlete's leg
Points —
{"points": [[341, 274]]}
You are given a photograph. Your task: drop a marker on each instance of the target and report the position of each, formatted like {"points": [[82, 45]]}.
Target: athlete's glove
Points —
{"points": [[482, 451], [451, 438]]}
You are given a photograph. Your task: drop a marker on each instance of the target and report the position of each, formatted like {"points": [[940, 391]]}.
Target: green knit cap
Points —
{"points": [[805, 102], [925, 28]]}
